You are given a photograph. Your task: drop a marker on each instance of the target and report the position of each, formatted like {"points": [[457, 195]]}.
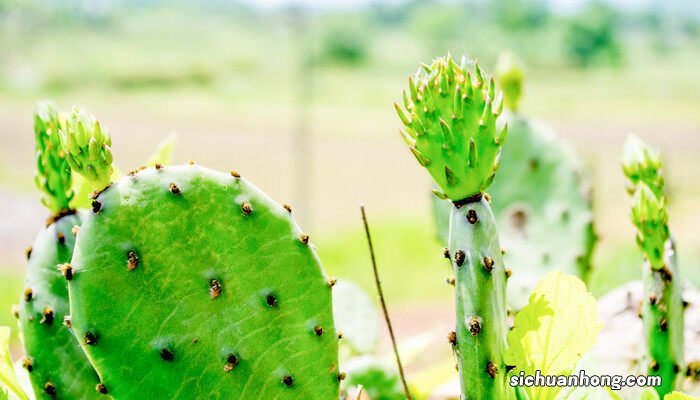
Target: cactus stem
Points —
{"points": [[28, 294], [101, 388], [90, 338], [174, 189], [459, 258], [214, 288], [166, 354]]}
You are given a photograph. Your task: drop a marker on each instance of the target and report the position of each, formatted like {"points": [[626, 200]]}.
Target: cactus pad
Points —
{"points": [[450, 126], [57, 366], [543, 211], [190, 283]]}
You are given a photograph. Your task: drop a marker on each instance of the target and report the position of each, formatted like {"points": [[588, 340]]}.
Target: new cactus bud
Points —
{"points": [[509, 70], [87, 146], [450, 127], [53, 174], [453, 134], [662, 307]]}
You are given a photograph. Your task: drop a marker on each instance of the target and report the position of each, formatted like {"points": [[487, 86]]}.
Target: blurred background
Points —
{"points": [[297, 96]]}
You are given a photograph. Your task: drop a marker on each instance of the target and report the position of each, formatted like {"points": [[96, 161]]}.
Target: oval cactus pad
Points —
{"points": [[57, 366], [190, 283]]}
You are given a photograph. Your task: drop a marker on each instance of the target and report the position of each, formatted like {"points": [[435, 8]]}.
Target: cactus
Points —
{"points": [[543, 212], [191, 283], [662, 306], [56, 364], [450, 127]]}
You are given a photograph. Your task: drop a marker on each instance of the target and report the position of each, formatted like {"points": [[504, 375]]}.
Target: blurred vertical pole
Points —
{"points": [[303, 97]]}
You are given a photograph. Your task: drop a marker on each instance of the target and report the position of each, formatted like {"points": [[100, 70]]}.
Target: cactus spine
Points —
{"points": [[450, 127], [191, 283], [662, 306], [55, 362]]}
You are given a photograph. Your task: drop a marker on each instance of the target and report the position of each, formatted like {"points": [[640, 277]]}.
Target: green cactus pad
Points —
{"points": [[53, 176], [651, 219], [54, 359], [450, 126], [480, 297], [190, 283], [543, 210]]}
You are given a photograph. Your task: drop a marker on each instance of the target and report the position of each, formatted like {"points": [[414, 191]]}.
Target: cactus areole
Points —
{"points": [[449, 118], [192, 283]]}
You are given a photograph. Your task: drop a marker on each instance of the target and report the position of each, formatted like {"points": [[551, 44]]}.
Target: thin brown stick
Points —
{"points": [[384, 309]]}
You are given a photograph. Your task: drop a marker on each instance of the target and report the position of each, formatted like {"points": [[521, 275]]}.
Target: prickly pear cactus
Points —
{"points": [[450, 127], [543, 211], [662, 306], [191, 283], [55, 362]]}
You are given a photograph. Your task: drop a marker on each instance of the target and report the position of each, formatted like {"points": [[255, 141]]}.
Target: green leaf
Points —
{"points": [[679, 396], [553, 331], [8, 381]]}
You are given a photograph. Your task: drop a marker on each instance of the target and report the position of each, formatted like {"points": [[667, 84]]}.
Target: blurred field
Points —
{"points": [[228, 81]]}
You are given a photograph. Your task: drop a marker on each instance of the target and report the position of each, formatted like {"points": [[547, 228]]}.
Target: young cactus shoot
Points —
{"points": [[450, 126], [662, 307], [53, 174], [87, 145]]}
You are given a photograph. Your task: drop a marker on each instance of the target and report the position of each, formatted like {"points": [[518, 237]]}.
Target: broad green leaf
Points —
{"points": [[9, 386], [551, 333], [679, 396]]}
